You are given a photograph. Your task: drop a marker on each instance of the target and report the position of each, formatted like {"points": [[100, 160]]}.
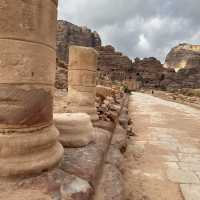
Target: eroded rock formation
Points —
{"points": [[185, 59], [183, 56], [70, 34], [112, 64], [148, 71]]}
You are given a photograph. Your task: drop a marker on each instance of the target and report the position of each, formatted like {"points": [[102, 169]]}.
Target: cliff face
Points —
{"points": [[149, 71], [113, 64], [183, 56], [185, 59], [69, 34], [184, 78]]}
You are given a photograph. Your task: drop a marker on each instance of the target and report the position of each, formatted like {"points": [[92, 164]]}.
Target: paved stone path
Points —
{"points": [[168, 135]]}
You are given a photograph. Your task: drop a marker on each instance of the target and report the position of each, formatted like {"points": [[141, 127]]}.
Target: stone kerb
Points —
{"points": [[28, 138], [82, 81]]}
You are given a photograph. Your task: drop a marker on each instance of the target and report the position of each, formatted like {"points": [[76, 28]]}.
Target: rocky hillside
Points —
{"points": [[183, 56], [185, 59], [112, 63], [149, 71], [69, 34]]}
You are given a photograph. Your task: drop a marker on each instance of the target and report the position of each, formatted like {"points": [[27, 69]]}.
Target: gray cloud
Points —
{"points": [[139, 28]]}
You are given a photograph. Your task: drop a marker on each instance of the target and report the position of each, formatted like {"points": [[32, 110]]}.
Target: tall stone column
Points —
{"points": [[82, 81], [28, 138]]}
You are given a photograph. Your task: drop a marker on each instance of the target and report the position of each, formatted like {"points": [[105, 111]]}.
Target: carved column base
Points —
{"points": [[76, 129], [28, 151], [91, 111]]}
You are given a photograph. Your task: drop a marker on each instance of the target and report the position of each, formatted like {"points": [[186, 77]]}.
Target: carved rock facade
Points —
{"points": [[112, 65]]}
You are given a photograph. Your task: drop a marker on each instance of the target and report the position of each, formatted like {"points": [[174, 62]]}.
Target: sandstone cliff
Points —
{"points": [[69, 34], [149, 71], [112, 63], [185, 59], [183, 56]]}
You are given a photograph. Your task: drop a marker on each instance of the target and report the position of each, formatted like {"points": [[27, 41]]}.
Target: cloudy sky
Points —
{"points": [[138, 28]]}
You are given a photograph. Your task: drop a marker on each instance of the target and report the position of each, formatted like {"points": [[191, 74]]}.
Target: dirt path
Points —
{"points": [[163, 161]]}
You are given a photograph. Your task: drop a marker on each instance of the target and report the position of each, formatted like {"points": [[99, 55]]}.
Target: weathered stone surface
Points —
{"points": [[185, 59], [106, 125], [28, 140], [190, 192], [119, 137], [75, 188], [183, 56], [111, 184], [149, 72], [52, 185], [26, 25], [82, 81], [45, 186], [61, 75], [75, 129], [103, 92], [182, 176], [85, 162], [111, 64], [114, 157]]}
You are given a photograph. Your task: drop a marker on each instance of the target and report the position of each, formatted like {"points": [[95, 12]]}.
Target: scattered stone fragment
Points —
{"points": [[75, 188]]}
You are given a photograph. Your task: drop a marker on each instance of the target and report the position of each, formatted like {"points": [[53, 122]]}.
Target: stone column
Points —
{"points": [[28, 138], [82, 81]]}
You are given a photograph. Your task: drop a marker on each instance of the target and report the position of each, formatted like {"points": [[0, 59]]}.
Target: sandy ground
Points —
{"points": [[163, 161]]}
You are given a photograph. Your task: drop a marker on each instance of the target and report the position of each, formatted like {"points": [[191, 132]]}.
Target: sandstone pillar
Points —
{"points": [[28, 139], [82, 81]]}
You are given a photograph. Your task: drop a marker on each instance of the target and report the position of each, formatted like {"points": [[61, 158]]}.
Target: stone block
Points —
{"points": [[86, 162], [75, 129]]}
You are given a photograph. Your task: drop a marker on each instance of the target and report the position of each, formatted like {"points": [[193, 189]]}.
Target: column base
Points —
{"points": [[91, 111], [29, 153], [76, 129]]}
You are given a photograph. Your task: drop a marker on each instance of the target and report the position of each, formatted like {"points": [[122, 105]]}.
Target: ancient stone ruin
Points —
{"points": [[82, 80], [30, 152], [70, 34], [112, 65], [71, 147], [28, 138], [75, 129]]}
